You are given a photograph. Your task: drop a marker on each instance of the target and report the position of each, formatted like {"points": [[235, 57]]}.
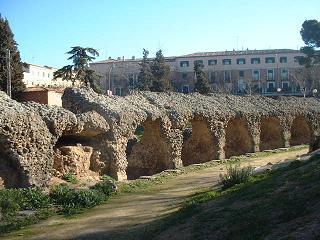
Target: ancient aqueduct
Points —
{"points": [[33, 136]]}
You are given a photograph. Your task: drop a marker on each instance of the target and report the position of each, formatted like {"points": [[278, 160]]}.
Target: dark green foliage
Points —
{"points": [[154, 75], [79, 70], [145, 75], [202, 83], [14, 200], [72, 200], [106, 187], [160, 72], [310, 33], [70, 177], [7, 42], [235, 175]]}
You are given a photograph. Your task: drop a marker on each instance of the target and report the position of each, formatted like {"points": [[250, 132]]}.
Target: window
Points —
{"points": [[119, 91], [212, 62], [241, 74], [185, 88], [212, 77], [241, 61], [227, 76], [284, 74], [226, 61], [271, 87], [48, 75], [256, 75], [285, 86], [43, 74], [198, 62], [270, 60], [241, 85], [184, 64], [131, 81], [283, 59], [184, 76], [298, 59], [270, 75], [255, 60]]}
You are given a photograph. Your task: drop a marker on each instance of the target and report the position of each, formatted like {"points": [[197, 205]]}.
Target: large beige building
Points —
{"points": [[266, 72]]}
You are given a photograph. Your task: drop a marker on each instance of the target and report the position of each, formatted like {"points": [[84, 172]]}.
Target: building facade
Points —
{"points": [[42, 76], [267, 72]]}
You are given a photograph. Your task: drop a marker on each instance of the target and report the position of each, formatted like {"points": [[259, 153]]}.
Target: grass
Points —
{"points": [[274, 205], [62, 199]]}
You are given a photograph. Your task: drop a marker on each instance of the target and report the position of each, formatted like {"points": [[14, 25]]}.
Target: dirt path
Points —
{"points": [[111, 220]]}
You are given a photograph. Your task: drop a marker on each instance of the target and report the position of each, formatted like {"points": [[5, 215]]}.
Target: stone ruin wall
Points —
{"points": [[95, 134]]}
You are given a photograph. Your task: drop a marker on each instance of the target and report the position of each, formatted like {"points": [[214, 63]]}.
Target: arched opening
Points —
{"points": [[271, 136], [75, 154], [300, 132], [198, 143], [147, 154], [238, 138]]}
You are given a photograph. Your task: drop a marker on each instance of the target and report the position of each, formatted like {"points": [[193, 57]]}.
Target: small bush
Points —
{"points": [[235, 175], [105, 187], [14, 200], [70, 177], [74, 200]]}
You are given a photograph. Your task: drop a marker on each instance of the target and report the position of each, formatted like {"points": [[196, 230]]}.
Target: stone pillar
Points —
{"points": [[174, 141], [218, 130], [286, 123], [118, 159], [254, 129]]}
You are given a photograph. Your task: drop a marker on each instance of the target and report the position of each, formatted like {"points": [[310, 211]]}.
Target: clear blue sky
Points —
{"points": [[46, 29]]}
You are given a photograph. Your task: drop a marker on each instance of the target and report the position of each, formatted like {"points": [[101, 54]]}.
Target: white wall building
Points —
{"points": [[42, 76]]}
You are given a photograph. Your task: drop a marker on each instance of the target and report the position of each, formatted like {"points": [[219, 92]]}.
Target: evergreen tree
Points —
{"points": [[160, 74], [79, 70], [310, 33], [145, 75], [7, 42], [202, 83]]}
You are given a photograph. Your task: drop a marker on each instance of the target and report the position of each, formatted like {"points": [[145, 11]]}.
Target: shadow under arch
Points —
{"points": [[200, 145], [238, 138], [149, 154], [300, 131], [271, 136]]}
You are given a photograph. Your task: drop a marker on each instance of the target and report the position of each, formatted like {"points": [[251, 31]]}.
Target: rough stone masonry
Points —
{"points": [[178, 129]]}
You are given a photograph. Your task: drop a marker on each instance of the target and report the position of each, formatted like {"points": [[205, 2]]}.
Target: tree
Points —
{"points": [[202, 83], [7, 42], [310, 33], [145, 75], [79, 70], [160, 74]]}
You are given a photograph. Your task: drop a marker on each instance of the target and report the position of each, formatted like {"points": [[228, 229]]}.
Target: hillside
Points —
{"points": [[282, 204]]}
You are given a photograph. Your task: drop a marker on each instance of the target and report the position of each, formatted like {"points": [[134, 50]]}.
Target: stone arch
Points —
{"points": [[300, 131], [238, 138], [271, 134], [199, 144], [149, 155]]}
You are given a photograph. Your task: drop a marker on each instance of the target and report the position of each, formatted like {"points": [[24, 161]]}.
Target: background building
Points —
{"points": [[238, 72], [42, 76]]}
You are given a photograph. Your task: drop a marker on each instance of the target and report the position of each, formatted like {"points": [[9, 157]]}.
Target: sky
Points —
{"points": [[46, 29]]}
